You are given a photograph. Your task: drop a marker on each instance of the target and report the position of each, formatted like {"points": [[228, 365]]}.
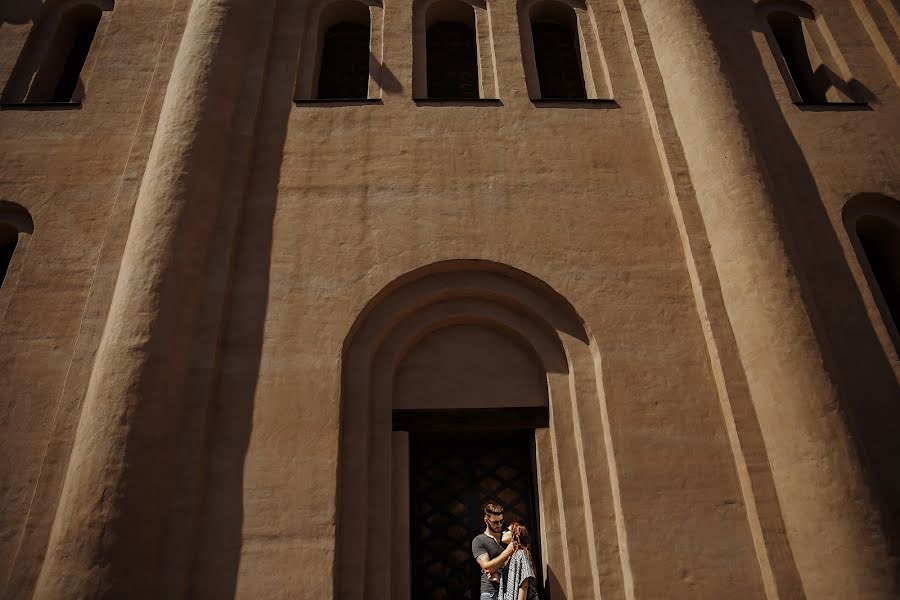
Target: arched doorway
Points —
{"points": [[483, 376]]}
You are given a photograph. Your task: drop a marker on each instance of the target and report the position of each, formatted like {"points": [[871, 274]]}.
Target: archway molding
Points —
{"points": [[576, 480]]}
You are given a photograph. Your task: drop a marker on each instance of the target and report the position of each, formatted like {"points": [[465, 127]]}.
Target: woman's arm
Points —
{"points": [[523, 590]]}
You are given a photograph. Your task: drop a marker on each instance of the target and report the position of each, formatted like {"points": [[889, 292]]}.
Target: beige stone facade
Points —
{"points": [[224, 293]]}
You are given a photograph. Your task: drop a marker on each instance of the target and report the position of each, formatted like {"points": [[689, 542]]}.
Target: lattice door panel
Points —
{"points": [[452, 477]]}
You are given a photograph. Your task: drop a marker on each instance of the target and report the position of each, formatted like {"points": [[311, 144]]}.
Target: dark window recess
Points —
{"points": [[880, 240], [8, 239], [788, 31], [57, 77], [452, 476], [452, 61], [53, 75], [85, 28], [344, 71], [558, 61]]}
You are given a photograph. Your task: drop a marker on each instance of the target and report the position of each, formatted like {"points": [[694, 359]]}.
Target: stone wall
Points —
{"points": [[718, 405]]}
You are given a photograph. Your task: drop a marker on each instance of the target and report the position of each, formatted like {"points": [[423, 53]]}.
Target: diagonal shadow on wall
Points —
{"points": [[867, 387], [219, 537]]}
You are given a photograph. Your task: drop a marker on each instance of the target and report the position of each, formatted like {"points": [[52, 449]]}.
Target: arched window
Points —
{"points": [[341, 52], [344, 70], [792, 42], [557, 56], [14, 220], [62, 66], [873, 222], [452, 51], [806, 54], [49, 69]]}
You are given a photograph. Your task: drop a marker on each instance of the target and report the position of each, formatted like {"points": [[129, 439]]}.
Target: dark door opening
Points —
{"points": [[452, 476]]}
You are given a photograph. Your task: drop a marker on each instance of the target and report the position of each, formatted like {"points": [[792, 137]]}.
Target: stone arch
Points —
{"points": [[322, 15], [575, 479], [873, 223], [577, 17], [472, 14], [57, 52], [807, 56]]}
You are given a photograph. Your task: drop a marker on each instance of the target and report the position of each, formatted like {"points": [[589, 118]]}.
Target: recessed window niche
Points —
{"points": [[341, 53], [807, 56], [873, 224], [453, 53], [561, 51], [57, 53]]}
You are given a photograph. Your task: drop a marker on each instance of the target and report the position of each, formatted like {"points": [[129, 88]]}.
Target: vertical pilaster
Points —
{"points": [[107, 537], [827, 510]]}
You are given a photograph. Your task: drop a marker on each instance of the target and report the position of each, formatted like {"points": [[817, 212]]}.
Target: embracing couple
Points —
{"points": [[506, 573]]}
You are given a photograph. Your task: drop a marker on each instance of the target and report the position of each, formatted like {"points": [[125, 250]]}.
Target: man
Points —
{"points": [[489, 552]]}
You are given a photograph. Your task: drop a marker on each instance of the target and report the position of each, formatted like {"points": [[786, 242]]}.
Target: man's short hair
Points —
{"points": [[492, 509]]}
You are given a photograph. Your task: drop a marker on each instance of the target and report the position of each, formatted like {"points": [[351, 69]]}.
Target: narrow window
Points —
{"points": [[812, 84], [340, 59], [344, 72], [558, 60], [452, 54], [880, 240], [57, 77]]}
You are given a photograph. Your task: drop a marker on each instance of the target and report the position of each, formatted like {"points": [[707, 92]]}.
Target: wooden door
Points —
{"points": [[452, 476]]}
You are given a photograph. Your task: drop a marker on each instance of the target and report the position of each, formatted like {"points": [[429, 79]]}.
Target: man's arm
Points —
{"points": [[494, 565]]}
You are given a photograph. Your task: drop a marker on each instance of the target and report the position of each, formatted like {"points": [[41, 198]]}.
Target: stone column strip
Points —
{"points": [[828, 514], [107, 536]]}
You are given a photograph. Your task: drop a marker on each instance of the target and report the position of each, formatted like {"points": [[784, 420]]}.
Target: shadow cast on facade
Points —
{"points": [[553, 586], [854, 357], [389, 81], [776, 550], [216, 561]]}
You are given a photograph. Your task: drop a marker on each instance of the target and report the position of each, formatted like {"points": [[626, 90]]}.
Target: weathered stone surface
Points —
{"points": [[226, 293]]}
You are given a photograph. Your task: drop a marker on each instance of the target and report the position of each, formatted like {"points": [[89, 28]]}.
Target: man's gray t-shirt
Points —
{"points": [[485, 544]]}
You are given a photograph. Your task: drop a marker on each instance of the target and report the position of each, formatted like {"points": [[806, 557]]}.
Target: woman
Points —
{"points": [[519, 580]]}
